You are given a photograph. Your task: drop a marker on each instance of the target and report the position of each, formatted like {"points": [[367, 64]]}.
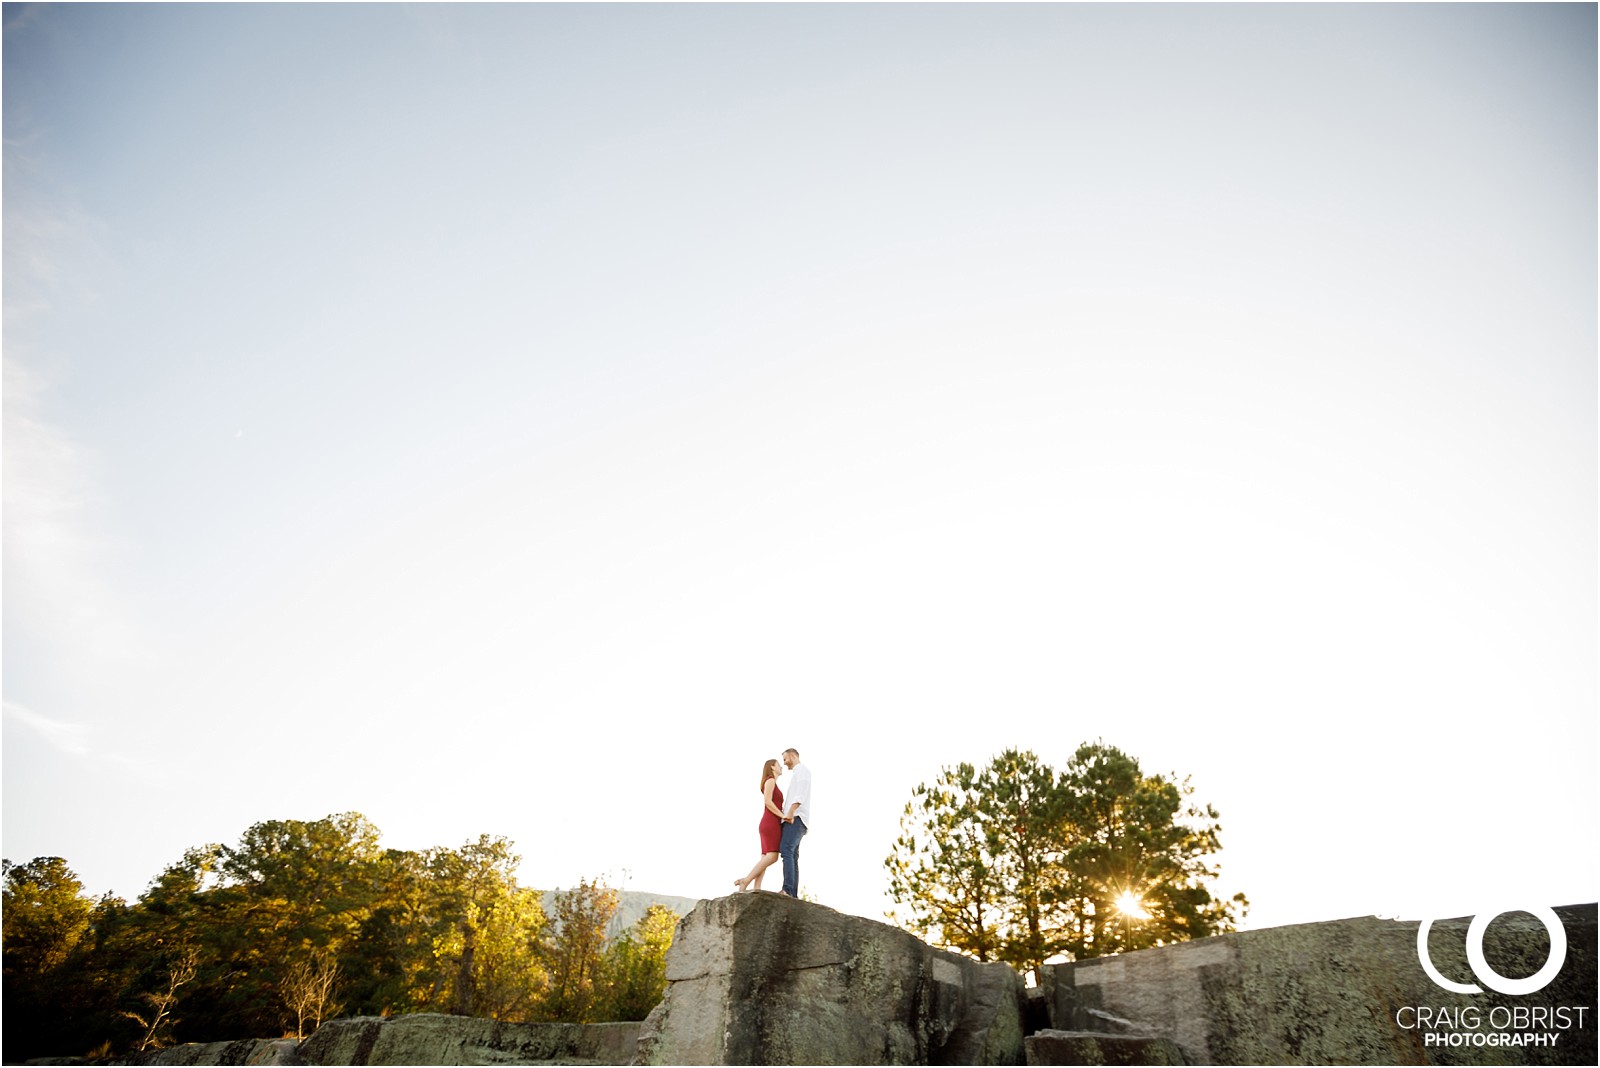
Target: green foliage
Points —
{"points": [[1022, 813], [48, 929], [943, 870], [635, 966], [298, 921], [1143, 837], [487, 959], [1018, 863], [576, 951], [45, 915]]}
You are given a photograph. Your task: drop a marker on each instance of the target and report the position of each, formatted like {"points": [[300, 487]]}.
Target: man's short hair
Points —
{"points": [[796, 752]]}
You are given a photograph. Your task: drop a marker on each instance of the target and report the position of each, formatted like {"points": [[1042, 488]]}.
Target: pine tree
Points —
{"points": [[1018, 863]]}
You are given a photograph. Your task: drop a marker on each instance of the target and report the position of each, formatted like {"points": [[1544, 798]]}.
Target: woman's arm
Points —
{"points": [[766, 793]]}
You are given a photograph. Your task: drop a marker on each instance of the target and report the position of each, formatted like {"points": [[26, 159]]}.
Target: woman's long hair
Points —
{"points": [[767, 772]]}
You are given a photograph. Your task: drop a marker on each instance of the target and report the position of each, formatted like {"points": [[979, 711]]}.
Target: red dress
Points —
{"points": [[771, 827]]}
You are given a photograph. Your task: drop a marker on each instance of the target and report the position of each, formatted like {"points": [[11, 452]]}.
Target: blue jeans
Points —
{"points": [[789, 850]]}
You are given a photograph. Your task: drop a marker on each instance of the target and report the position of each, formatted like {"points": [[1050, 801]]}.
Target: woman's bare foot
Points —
{"points": [[742, 883]]}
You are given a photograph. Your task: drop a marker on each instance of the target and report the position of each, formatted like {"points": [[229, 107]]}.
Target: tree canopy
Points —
{"points": [[302, 920], [1018, 862]]}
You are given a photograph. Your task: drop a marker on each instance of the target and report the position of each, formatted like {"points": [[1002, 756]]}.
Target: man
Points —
{"points": [[796, 819]]}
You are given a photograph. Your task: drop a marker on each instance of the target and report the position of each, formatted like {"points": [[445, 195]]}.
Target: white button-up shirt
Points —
{"points": [[799, 789]]}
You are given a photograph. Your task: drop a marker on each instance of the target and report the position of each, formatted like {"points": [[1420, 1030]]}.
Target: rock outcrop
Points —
{"points": [[1343, 992], [1095, 1047], [763, 979], [280, 1051], [423, 1038], [759, 978], [428, 1038]]}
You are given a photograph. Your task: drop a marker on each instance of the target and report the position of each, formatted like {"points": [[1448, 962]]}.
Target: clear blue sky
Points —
{"points": [[527, 419]]}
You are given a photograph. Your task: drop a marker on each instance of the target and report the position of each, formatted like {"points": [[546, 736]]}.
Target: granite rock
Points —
{"points": [[281, 1051], [430, 1038], [1050, 1047], [1341, 992], [760, 978]]}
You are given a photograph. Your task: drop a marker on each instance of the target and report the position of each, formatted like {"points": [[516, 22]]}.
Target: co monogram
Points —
{"points": [[1480, 967]]}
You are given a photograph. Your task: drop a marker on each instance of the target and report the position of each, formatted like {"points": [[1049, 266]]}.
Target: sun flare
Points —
{"points": [[1129, 904]]}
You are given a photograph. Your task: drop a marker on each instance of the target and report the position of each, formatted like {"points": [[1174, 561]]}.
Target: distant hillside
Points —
{"points": [[631, 905]]}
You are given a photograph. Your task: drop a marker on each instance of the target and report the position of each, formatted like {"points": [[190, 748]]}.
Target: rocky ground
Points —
{"points": [[759, 978]]}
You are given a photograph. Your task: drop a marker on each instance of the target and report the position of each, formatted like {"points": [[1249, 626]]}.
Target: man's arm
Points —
{"points": [[799, 791]]}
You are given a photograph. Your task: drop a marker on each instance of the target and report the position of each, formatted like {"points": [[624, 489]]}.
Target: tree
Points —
{"points": [[301, 919], [48, 923], [487, 957], [308, 881], [976, 866], [1138, 857], [1022, 810], [941, 870], [45, 915], [635, 967], [511, 978], [574, 952], [398, 969], [308, 991], [183, 909], [290, 891], [181, 967], [1017, 863]]}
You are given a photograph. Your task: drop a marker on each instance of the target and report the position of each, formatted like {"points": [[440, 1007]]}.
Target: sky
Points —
{"points": [[527, 420]]}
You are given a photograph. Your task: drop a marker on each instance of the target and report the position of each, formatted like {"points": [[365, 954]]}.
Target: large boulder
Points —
{"points": [[763, 979], [1344, 992], [760, 978], [430, 1038], [1095, 1047], [245, 1051]]}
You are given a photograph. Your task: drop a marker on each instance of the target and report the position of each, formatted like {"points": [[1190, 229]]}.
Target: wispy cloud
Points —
{"points": [[20, 16], [56, 553], [70, 738], [53, 557]]}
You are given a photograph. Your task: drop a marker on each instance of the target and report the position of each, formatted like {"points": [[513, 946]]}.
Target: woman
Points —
{"points": [[771, 827]]}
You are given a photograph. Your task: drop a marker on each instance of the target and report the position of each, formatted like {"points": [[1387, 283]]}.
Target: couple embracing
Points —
{"points": [[782, 828]]}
